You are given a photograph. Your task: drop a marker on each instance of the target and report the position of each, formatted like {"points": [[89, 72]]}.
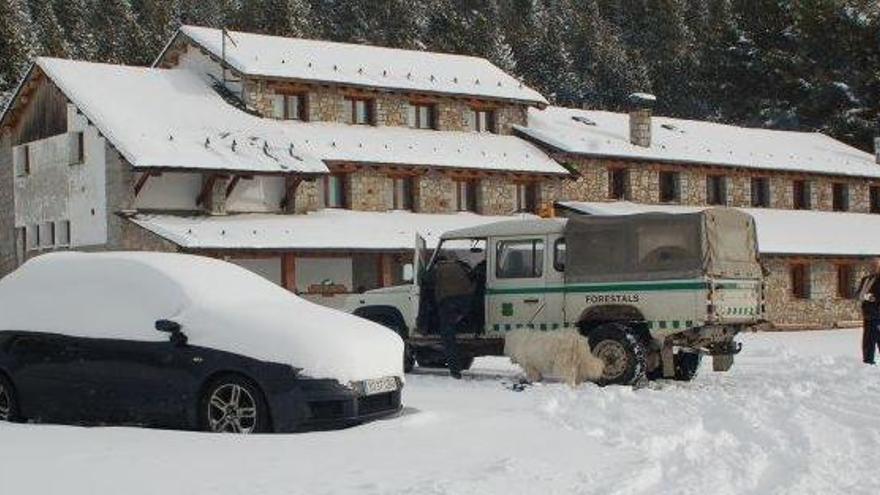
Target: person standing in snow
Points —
{"points": [[869, 295]]}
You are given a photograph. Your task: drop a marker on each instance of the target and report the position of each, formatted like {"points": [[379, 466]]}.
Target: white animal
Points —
{"points": [[559, 354]]}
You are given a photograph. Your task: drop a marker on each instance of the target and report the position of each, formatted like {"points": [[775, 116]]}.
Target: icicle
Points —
{"points": [[234, 144]]}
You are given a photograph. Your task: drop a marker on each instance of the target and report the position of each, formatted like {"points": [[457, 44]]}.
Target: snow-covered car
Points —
{"points": [[179, 341]]}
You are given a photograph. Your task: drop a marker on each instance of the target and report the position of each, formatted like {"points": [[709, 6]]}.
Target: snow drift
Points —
{"points": [[219, 305]]}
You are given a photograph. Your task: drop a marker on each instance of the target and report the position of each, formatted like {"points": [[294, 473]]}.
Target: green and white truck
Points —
{"points": [[652, 292]]}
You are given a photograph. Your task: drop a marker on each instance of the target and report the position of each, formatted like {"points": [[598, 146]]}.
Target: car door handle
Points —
{"points": [[531, 301]]}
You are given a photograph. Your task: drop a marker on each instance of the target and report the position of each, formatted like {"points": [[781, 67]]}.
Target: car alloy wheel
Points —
{"points": [[232, 409], [5, 403]]}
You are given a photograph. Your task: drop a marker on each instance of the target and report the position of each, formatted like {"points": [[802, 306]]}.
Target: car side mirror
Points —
{"points": [[173, 328]]}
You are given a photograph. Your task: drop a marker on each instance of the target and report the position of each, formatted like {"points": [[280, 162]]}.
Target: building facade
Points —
{"points": [[316, 163]]}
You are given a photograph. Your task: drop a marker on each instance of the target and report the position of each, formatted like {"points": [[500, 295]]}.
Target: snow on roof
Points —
{"points": [[362, 65], [167, 118], [328, 229], [528, 226], [173, 118], [790, 232], [600, 133], [219, 306]]}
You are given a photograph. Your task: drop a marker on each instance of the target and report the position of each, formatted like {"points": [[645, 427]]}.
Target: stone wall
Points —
{"points": [[497, 196], [436, 193], [7, 207], [370, 190], [308, 196], [510, 115], [591, 184], [823, 309]]}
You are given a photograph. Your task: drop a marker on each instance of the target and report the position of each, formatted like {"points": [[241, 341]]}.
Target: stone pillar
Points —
{"points": [[214, 193]]}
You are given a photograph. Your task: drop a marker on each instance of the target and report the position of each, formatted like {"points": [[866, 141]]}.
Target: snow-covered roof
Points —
{"points": [[328, 229], [788, 232], [167, 118], [362, 65], [218, 305], [173, 118], [606, 134]]}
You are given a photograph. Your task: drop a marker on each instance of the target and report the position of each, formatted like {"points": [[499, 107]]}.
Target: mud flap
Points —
{"points": [[722, 362]]}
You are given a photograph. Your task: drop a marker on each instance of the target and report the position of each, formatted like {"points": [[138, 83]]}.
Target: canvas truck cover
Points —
{"points": [[718, 242]]}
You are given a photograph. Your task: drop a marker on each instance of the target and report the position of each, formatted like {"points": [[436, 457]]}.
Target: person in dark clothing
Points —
{"points": [[454, 292], [869, 295]]}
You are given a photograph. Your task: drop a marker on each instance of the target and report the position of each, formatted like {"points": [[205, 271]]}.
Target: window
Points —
{"points": [[421, 116], [839, 196], [77, 149], [618, 183], [845, 281], [670, 187], [466, 195], [760, 192], [336, 191], [481, 120], [62, 233], [874, 193], [800, 280], [527, 197], [289, 107], [716, 190], [404, 193], [33, 237], [47, 234], [22, 161], [519, 259], [360, 111], [801, 194], [559, 254]]}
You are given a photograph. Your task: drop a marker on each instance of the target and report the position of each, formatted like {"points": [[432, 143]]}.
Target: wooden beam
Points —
{"points": [[208, 188], [291, 184], [288, 271], [142, 181], [231, 186]]}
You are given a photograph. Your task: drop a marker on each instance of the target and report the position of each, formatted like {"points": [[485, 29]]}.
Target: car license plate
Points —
{"points": [[380, 385]]}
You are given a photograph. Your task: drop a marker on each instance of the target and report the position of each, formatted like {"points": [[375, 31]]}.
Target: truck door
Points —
{"points": [[515, 293]]}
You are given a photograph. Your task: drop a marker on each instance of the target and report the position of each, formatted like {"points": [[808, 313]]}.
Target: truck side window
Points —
{"points": [[519, 259], [559, 254]]}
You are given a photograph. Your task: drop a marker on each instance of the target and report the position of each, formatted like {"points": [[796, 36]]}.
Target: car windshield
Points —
{"points": [[468, 251]]}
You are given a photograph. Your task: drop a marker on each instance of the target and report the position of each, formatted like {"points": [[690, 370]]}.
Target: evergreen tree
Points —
{"points": [[50, 38], [16, 42]]}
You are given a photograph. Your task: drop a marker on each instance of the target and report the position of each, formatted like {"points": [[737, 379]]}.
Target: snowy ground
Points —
{"points": [[798, 414]]}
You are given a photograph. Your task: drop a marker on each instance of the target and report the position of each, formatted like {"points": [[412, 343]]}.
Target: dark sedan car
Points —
{"points": [[184, 342]]}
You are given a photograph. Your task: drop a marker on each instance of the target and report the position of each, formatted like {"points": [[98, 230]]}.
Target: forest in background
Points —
{"points": [[783, 64]]}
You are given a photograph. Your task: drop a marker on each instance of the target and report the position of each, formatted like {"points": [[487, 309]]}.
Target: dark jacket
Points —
{"points": [[870, 285]]}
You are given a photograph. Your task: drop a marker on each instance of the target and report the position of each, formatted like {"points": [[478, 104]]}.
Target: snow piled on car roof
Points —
{"points": [[120, 295]]}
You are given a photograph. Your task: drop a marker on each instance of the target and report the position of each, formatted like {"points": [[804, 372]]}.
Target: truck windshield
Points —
{"points": [[468, 251]]}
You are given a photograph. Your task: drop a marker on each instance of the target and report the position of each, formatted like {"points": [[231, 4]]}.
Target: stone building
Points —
{"points": [[315, 164], [820, 194], [312, 163]]}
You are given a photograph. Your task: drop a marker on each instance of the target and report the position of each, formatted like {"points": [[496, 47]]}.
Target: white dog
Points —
{"points": [[561, 354]]}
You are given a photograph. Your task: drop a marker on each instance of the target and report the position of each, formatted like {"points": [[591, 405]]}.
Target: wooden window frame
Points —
{"points": [[25, 169], [398, 202], [663, 194], [528, 197], [302, 109], [418, 108], [801, 192], [845, 281], [370, 105], [840, 200], [799, 278], [491, 119], [760, 199], [344, 201], [720, 181], [874, 199], [471, 202], [612, 189]]}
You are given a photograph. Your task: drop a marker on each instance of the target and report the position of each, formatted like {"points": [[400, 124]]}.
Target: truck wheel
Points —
{"points": [[686, 365], [622, 352], [409, 360]]}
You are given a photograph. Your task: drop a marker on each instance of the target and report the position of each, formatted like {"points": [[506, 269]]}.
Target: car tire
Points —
{"points": [[622, 351], [233, 404], [686, 365], [8, 400], [409, 359]]}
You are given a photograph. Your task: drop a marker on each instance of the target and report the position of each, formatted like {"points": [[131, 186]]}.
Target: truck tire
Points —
{"points": [[686, 365], [622, 351]]}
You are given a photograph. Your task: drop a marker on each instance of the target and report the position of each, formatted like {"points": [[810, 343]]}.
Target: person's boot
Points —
{"points": [[455, 374]]}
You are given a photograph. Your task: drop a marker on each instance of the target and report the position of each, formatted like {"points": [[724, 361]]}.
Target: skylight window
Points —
{"points": [[583, 120]]}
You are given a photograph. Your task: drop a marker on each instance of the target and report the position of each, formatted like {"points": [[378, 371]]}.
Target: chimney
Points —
{"points": [[642, 105]]}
